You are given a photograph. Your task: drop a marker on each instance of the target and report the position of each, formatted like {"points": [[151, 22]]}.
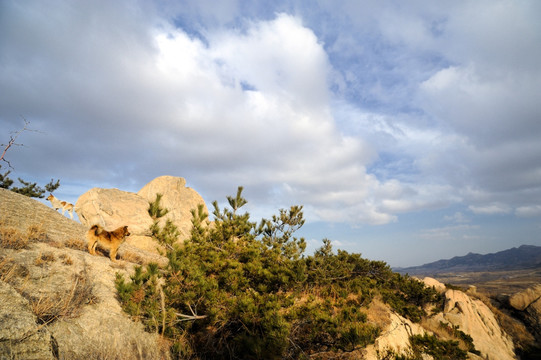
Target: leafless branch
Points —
{"points": [[12, 138], [194, 316], [190, 317], [11, 142]]}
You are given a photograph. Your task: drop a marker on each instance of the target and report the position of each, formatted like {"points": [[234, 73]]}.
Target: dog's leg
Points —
{"points": [[71, 213], [92, 246], [95, 247], [112, 254]]}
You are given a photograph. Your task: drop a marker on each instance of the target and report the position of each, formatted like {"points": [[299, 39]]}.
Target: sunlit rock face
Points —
{"points": [[528, 302], [112, 208], [475, 318], [178, 199]]}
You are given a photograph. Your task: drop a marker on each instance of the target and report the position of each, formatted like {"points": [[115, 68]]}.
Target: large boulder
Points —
{"points": [[433, 283], [177, 198], [525, 298], [533, 318], [528, 302], [113, 208]]}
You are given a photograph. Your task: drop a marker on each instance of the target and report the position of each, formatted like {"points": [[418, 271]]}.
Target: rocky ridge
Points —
{"points": [[51, 268], [522, 257]]}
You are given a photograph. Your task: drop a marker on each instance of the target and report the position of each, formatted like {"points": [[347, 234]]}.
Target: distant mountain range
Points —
{"points": [[523, 257]]}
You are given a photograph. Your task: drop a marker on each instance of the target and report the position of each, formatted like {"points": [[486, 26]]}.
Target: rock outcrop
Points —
{"points": [[112, 208], [438, 286], [177, 198], [521, 300], [394, 338], [474, 318], [528, 303]]}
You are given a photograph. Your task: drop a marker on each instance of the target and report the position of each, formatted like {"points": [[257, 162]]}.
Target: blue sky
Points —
{"points": [[408, 130]]}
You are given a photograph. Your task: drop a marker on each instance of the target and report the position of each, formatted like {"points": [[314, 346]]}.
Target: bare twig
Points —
{"points": [[194, 316], [190, 317], [12, 138]]}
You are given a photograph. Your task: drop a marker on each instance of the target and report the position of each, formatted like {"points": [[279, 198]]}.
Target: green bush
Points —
{"points": [[241, 290], [454, 331], [427, 345], [409, 296], [438, 349]]}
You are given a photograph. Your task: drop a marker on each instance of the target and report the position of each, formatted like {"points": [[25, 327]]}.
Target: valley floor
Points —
{"points": [[494, 283]]}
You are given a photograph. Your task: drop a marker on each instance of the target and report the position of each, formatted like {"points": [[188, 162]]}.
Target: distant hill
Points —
{"points": [[523, 257]]}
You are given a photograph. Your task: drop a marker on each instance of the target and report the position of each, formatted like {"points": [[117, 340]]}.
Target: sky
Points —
{"points": [[410, 131]]}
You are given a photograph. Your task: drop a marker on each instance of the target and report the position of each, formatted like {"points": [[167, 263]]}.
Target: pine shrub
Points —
{"points": [[237, 289]]}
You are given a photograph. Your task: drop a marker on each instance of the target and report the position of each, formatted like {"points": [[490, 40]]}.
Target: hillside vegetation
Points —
{"points": [[235, 289], [238, 289]]}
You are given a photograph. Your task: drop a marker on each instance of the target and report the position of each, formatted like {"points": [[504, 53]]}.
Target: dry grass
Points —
{"points": [[12, 238], [120, 265], [52, 306], [66, 259], [55, 244], [36, 233], [44, 258], [9, 270], [441, 332], [378, 313], [76, 244]]}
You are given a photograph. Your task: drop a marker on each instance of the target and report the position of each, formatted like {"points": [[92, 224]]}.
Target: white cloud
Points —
{"points": [[529, 211], [491, 209], [237, 108], [279, 57], [285, 117], [458, 217], [450, 233]]}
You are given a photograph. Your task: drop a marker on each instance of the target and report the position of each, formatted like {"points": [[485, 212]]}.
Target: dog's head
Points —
{"points": [[50, 197], [125, 231]]}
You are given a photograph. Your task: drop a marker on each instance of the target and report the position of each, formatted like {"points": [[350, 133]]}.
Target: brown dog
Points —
{"points": [[110, 240]]}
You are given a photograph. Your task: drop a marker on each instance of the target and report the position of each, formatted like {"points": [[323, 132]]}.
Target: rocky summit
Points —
{"points": [[60, 302]]}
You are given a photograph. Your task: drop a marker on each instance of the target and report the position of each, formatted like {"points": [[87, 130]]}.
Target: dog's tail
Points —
{"points": [[96, 229]]}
